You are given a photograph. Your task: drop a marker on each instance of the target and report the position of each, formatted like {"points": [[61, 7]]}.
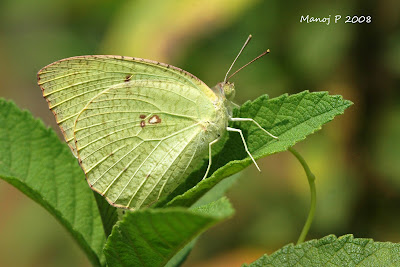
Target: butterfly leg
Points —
{"points": [[209, 156], [256, 123], [235, 105], [229, 129]]}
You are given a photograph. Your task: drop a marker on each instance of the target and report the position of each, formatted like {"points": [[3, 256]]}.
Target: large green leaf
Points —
{"points": [[332, 251], [151, 237], [33, 159], [291, 118]]}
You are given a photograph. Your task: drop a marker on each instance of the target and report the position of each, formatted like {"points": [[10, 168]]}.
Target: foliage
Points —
{"points": [[330, 250], [38, 164]]}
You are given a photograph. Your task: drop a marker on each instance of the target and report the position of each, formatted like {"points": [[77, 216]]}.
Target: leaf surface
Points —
{"points": [[33, 159], [151, 237], [334, 251]]}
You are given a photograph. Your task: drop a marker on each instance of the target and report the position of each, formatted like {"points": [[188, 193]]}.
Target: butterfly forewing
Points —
{"points": [[69, 84]]}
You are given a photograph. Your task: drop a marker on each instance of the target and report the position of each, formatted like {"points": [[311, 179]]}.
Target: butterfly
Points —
{"points": [[137, 127]]}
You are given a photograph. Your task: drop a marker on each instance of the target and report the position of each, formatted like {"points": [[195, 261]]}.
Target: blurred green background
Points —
{"points": [[355, 158]]}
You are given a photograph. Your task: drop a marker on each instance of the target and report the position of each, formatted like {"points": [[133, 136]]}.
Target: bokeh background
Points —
{"points": [[355, 158]]}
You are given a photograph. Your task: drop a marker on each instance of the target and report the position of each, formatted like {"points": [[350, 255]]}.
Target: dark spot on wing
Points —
{"points": [[128, 78], [142, 124], [154, 119], [142, 116]]}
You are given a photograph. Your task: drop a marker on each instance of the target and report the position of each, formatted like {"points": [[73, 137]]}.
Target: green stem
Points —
{"points": [[311, 183]]}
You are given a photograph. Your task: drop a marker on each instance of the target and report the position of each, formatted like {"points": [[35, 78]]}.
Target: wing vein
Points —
{"points": [[140, 166]]}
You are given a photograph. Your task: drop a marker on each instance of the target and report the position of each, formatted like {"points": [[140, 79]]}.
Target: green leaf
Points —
{"points": [[179, 258], [108, 213], [214, 194], [33, 159], [151, 237], [332, 251], [291, 118]]}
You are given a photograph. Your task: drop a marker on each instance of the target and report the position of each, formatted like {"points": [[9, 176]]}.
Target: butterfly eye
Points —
{"points": [[229, 90]]}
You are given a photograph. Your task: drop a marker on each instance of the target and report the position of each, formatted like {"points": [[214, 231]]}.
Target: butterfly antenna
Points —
{"points": [[245, 44], [262, 54]]}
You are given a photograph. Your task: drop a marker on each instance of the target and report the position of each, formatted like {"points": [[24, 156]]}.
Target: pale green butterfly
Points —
{"points": [[138, 127]]}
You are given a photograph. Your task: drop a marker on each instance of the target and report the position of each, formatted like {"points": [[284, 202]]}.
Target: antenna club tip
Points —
{"points": [[250, 35], [268, 51]]}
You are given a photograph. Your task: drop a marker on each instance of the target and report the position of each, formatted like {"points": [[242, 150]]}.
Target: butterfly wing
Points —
{"points": [[135, 125], [69, 84]]}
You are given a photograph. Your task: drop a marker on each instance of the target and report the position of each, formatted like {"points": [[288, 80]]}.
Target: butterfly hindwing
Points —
{"points": [[129, 142]]}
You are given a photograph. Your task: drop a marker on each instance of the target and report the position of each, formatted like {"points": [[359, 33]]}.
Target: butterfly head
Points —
{"points": [[227, 90]]}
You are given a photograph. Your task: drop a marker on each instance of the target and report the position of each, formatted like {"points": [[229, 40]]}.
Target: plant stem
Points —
{"points": [[311, 183]]}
